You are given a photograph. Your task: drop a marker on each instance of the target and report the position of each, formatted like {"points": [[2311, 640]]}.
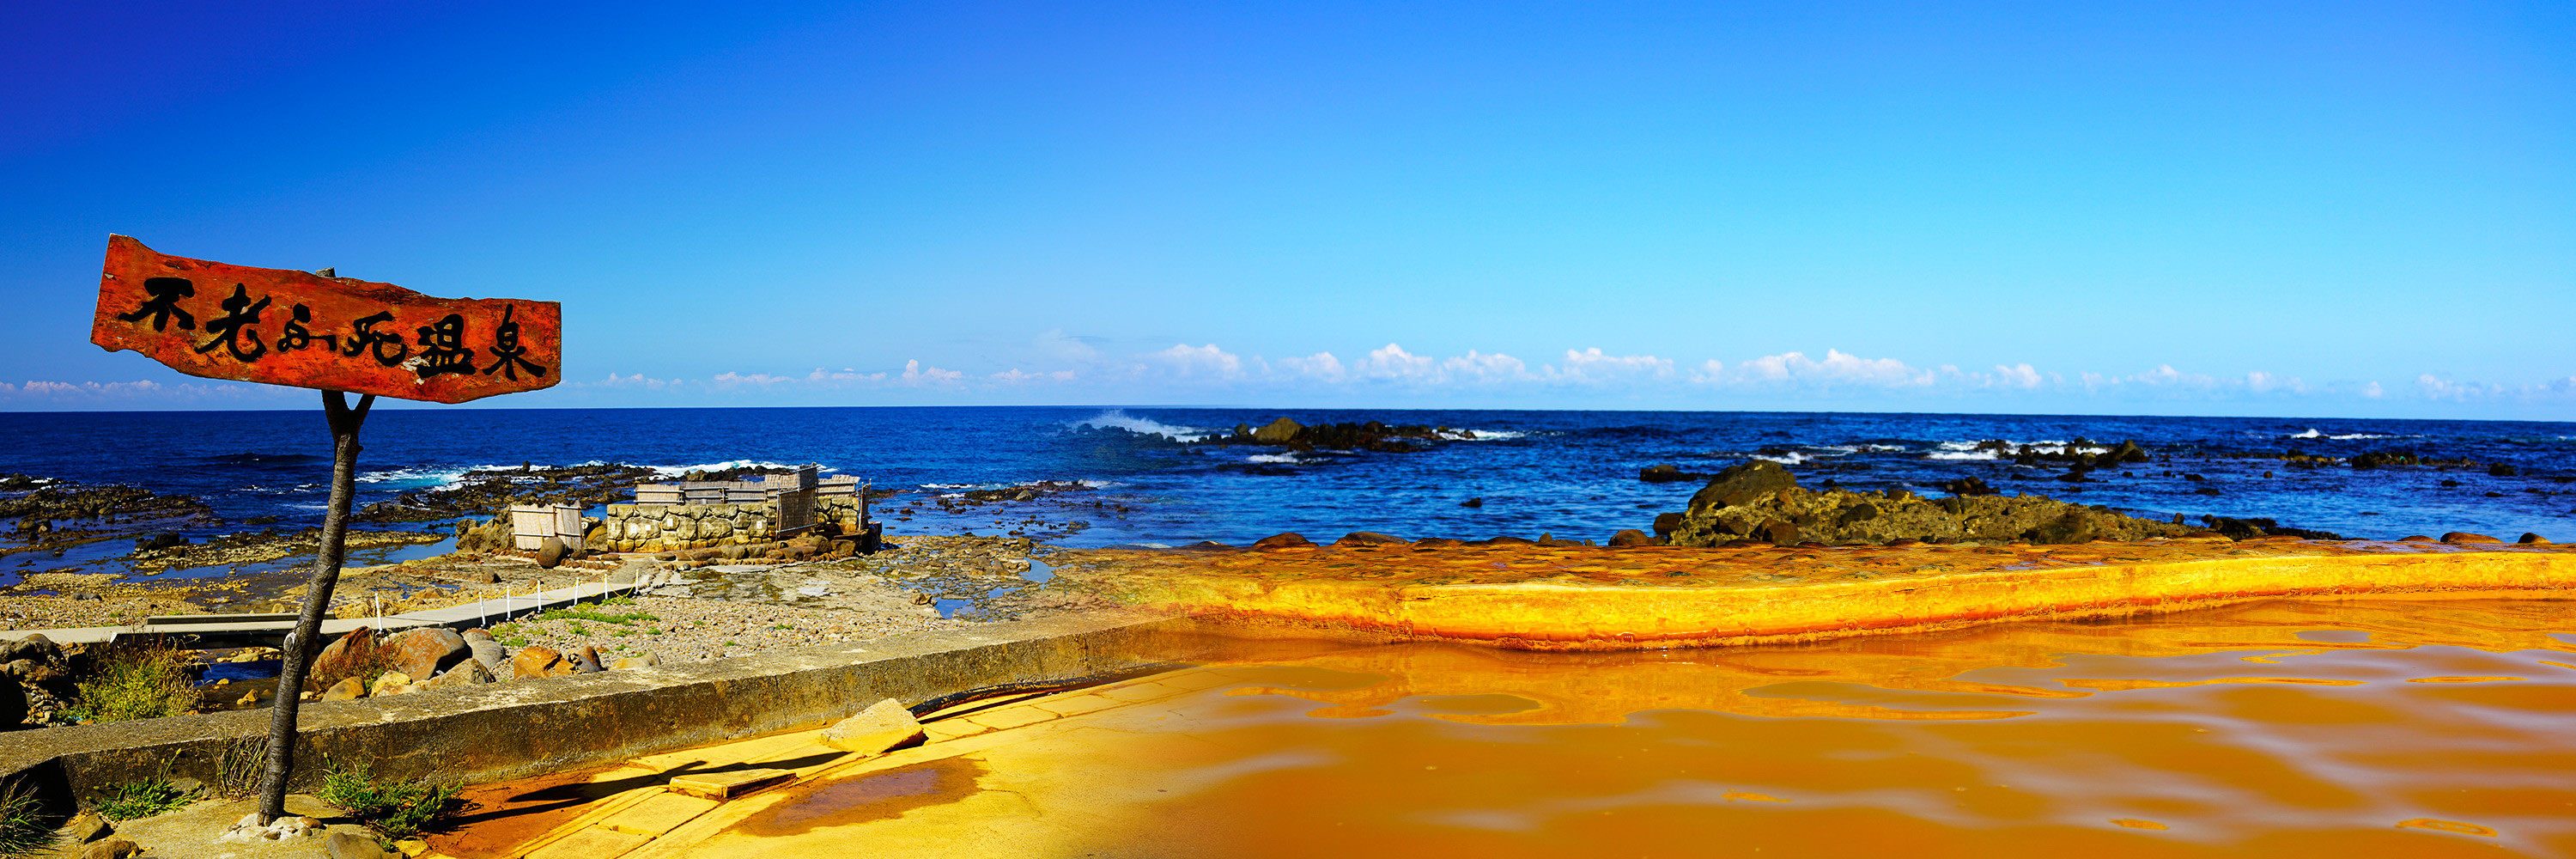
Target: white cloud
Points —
{"points": [[916, 375], [1198, 361], [1595, 367]]}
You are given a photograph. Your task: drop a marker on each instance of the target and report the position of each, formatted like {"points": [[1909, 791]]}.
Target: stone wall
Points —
{"points": [[666, 527]]}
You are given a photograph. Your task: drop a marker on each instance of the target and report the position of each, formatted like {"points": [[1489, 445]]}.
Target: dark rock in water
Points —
{"points": [[1632, 537], [1967, 486], [2206, 490], [550, 553], [158, 542], [2450, 484], [1472, 502], [1278, 540], [1370, 538], [1666, 522], [1668, 473], [2502, 470], [2494, 494], [1740, 484], [2242, 529], [1277, 432], [2194, 478]]}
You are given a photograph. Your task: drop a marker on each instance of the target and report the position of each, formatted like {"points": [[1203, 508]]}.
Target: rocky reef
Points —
{"points": [[1370, 436], [1759, 500]]}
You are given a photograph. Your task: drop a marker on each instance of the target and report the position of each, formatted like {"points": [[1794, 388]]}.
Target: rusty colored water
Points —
{"points": [[2342, 730]]}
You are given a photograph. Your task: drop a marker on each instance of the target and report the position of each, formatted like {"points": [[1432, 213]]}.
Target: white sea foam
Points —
{"points": [[1790, 458], [1120, 419], [668, 472], [2311, 433], [1493, 435], [1962, 455], [441, 476], [1271, 457], [2357, 435]]}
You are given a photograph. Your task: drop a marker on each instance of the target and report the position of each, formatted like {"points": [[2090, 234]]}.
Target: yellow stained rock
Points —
{"points": [[1609, 598]]}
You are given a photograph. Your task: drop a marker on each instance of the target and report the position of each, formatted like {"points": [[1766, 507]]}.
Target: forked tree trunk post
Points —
{"points": [[307, 638]]}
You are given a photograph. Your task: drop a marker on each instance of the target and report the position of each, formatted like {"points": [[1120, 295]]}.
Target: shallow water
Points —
{"points": [[2281, 729]]}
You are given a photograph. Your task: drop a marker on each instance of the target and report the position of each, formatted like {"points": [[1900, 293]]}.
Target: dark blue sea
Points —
{"points": [[1570, 474]]}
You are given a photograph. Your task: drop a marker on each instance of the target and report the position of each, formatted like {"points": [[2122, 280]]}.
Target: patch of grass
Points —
{"points": [[697, 623], [620, 599], [576, 627], [395, 810], [135, 681], [135, 800], [653, 631], [23, 830], [595, 615], [782, 626], [516, 641]]}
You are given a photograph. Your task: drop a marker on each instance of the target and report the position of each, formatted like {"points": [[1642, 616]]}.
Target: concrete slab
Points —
{"points": [[592, 843], [522, 728], [659, 814]]}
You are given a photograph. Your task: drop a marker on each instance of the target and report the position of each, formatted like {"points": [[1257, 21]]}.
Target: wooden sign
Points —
{"points": [[286, 327]]}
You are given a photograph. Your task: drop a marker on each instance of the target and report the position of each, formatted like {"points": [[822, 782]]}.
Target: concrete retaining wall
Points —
{"points": [[529, 727], [661, 527]]}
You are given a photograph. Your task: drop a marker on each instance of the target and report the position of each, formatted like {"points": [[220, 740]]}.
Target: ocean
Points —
{"points": [[1568, 474]]}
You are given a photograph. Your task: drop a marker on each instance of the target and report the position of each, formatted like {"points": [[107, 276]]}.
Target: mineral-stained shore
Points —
{"points": [[1567, 596]]}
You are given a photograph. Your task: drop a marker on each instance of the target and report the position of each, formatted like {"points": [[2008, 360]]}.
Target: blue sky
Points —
{"points": [[2332, 209]]}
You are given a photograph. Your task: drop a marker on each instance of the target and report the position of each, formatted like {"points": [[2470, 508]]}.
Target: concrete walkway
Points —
{"points": [[272, 628]]}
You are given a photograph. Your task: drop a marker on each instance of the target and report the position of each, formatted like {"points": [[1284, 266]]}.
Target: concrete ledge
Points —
{"points": [[528, 727]]}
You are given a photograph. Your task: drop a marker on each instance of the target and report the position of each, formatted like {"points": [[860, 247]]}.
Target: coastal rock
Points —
{"points": [[113, 848], [647, 660], [35, 646], [343, 844], [539, 662], [2502, 470], [2531, 539], [551, 553], [389, 683], [1277, 432], [86, 828], [345, 657], [347, 689], [882, 726], [1472, 502], [489, 653], [2466, 537], [424, 651], [1369, 538], [586, 660], [1770, 507], [1739, 485], [1665, 523], [1281, 540], [1668, 473], [1632, 537], [467, 673]]}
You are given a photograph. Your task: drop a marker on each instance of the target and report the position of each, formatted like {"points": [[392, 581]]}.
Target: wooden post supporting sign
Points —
{"points": [[341, 336]]}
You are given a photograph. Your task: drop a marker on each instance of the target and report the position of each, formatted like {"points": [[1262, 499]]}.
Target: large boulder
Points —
{"points": [[491, 654], [1794, 514], [1741, 484], [1280, 431], [425, 651], [349, 656], [539, 662]]}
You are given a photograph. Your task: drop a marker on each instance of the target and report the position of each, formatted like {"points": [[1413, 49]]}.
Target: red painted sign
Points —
{"points": [[285, 327]]}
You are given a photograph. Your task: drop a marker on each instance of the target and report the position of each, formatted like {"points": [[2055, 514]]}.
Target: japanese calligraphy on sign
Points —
{"points": [[288, 327]]}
